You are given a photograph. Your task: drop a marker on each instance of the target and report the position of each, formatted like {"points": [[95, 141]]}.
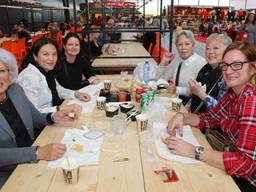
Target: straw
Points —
{"points": [[131, 115], [68, 161]]}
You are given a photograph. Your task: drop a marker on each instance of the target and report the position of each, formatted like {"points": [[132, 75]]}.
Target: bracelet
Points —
{"points": [[36, 148], [36, 153]]}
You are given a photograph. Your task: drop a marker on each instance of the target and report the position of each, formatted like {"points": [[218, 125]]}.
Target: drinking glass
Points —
{"points": [[124, 75]]}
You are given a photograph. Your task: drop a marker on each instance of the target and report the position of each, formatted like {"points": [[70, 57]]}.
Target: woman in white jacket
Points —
{"points": [[38, 78]]}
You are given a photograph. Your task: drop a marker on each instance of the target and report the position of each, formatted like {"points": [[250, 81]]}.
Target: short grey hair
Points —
{"points": [[187, 33], [10, 62], [222, 38]]}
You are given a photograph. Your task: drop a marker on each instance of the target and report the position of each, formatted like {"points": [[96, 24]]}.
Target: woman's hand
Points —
{"points": [[167, 58], [180, 147], [176, 122], [51, 152], [93, 80], [67, 113], [82, 96], [196, 89]]}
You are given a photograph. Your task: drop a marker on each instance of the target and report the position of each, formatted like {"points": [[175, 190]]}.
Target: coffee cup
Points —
{"points": [[107, 84], [142, 122], [176, 104], [70, 170], [100, 103]]}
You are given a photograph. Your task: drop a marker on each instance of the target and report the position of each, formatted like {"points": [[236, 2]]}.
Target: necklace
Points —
{"points": [[3, 101]]}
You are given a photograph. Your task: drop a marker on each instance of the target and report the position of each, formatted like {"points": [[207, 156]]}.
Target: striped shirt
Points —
{"points": [[236, 116]]}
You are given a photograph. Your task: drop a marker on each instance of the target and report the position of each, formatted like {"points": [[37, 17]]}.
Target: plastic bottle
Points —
{"points": [[146, 72]]}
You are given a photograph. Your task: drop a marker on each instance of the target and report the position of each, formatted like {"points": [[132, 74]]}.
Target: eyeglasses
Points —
{"points": [[3, 71], [235, 66]]}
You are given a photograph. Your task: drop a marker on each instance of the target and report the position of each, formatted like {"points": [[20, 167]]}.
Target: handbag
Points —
{"points": [[218, 142], [242, 36]]}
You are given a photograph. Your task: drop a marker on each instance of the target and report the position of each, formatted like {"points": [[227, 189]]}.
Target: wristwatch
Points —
{"points": [[199, 150]]}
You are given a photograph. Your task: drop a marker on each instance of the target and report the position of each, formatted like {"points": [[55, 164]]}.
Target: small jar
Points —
{"points": [[122, 96]]}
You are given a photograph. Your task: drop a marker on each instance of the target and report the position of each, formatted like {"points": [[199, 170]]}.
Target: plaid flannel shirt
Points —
{"points": [[237, 117]]}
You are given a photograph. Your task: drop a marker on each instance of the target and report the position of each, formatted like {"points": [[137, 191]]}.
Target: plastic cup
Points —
{"points": [[70, 170], [118, 125]]}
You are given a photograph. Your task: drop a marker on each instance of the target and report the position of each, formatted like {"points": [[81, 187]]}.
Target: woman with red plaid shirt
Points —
{"points": [[235, 114]]}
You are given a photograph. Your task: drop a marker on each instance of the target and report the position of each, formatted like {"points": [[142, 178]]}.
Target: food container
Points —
{"points": [[162, 86], [111, 110], [125, 107]]}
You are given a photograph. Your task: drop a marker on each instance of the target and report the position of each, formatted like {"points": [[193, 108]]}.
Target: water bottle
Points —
{"points": [[146, 72]]}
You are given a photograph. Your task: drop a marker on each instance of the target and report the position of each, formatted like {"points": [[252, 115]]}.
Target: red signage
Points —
{"points": [[110, 4]]}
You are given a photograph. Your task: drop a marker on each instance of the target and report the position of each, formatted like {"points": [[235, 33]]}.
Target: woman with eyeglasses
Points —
{"points": [[38, 78], [209, 76], [75, 69], [235, 114], [18, 121]]}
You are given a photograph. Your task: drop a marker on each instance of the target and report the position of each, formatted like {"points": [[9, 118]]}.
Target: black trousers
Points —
{"points": [[244, 185]]}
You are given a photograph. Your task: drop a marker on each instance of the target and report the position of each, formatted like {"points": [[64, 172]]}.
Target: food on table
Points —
{"points": [[125, 107], [78, 148], [164, 138], [71, 115]]}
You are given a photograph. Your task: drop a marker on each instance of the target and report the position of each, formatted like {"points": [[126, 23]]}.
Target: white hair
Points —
{"points": [[187, 33], [222, 38], [10, 62]]}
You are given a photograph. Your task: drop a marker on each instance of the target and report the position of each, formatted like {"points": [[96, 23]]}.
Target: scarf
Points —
{"points": [[56, 101]]}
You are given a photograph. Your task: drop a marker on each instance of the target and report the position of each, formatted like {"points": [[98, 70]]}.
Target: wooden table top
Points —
{"points": [[134, 175], [126, 49]]}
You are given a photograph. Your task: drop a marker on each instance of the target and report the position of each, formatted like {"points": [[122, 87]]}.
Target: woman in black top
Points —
{"points": [[75, 71], [90, 45], [209, 75]]}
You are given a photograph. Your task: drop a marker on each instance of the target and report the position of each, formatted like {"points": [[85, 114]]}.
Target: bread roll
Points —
{"points": [[164, 138]]}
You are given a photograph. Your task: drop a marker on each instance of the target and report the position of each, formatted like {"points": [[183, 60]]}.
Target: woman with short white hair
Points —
{"points": [[209, 75], [18, 119], [185, 67]]}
